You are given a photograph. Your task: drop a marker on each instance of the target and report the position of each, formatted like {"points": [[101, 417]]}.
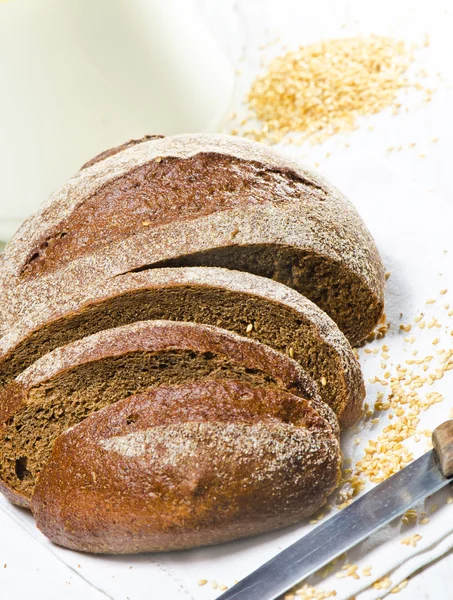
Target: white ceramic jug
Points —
{"points": [[80, 76]]}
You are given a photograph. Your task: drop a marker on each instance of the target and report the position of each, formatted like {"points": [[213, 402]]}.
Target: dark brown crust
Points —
{"points": [[185, 466], [155, 336], [256, 211]]}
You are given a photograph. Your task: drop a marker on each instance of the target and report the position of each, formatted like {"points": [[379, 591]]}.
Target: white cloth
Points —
{"points": [[413, 244]]}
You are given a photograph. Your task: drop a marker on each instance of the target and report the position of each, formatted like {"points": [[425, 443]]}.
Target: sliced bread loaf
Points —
{"points": [[191, 200], [184, 466], [65, 386], [247, 304]]}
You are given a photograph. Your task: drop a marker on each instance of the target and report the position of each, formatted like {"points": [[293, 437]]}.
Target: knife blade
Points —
{"points": [[370, 512]]}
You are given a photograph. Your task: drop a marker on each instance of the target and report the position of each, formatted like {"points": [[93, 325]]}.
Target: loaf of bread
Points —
{"points": [[252, 306], [65, 386], [187, 465], [198, 200], [175, 359]]}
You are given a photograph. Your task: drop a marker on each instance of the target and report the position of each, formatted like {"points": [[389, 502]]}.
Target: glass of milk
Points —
{"points": [[80, 76]]}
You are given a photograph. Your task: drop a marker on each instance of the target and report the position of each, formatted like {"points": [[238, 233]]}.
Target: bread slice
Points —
{"points": [[66, 385], [247, 304], [199, 200], [184, 466]]}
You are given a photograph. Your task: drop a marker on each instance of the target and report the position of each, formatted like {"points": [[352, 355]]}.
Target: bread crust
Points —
{"points": [[155, 336], [345, 381], [320, 222], [184, 466]]}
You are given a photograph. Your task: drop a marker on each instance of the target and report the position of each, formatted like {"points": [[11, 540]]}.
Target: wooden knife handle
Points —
{"points": [[443, 444]]}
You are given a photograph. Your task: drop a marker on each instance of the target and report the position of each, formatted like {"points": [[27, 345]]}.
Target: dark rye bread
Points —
{"points": [[184, 466], [65, 386], [191, 200], [247, 304]]}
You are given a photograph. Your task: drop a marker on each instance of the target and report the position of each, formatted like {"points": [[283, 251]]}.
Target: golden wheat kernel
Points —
{"points": [[400, 586], [418, 318], [202, 582], [424, 521], [382, 584], [387, 275], [222, 588], [214, 585]]}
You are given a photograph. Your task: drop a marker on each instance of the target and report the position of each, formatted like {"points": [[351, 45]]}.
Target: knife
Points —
{"points": [[359, 520]]}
